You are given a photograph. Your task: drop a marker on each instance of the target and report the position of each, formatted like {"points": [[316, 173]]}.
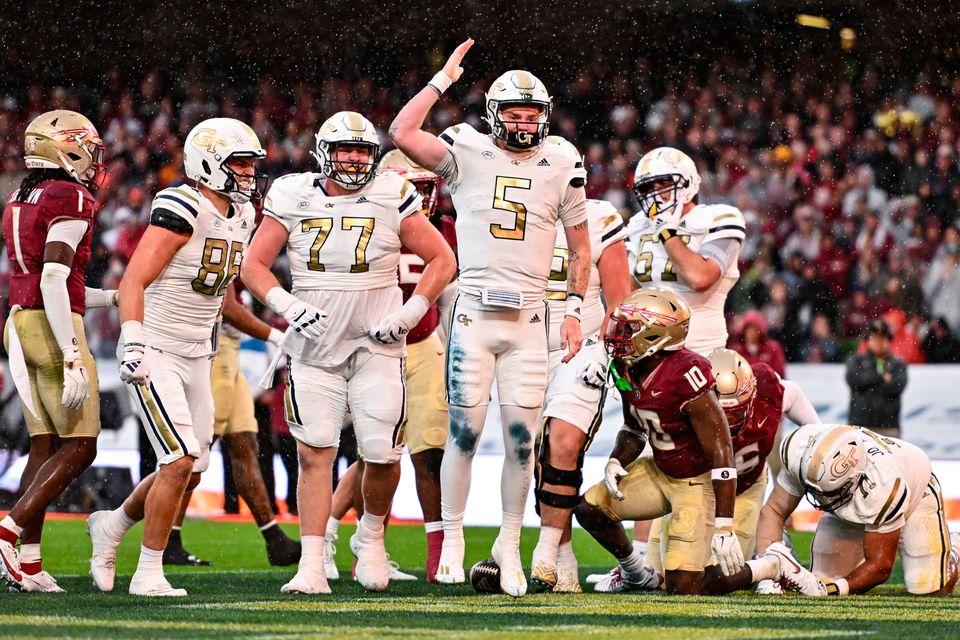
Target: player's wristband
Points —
{"points": [[440, 82], [838, 588], [666, 234], [723, 473], [131, 333], [275, 337], [723, 523], [573, 307], [279, 300]]}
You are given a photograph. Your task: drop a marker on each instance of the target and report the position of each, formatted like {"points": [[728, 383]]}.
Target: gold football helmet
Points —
{"points": [[65, 140], [426, 181], [736, 385], [647, 321]]}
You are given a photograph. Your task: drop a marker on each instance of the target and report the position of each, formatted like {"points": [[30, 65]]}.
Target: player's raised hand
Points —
{"points": [[452, 67]]}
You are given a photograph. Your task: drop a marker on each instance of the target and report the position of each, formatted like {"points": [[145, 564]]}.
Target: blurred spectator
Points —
{"points": [[805, 239], [940, 346], [942, 285], [821, 345], [753, 343], [877, 380]]}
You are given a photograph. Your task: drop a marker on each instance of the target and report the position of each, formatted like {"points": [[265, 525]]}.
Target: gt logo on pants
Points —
{"points": [[464, 319]]}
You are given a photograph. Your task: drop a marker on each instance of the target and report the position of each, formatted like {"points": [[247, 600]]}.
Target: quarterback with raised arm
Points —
{"points": [[47, 231], [171, 300], [343, 228], [510, 187]]}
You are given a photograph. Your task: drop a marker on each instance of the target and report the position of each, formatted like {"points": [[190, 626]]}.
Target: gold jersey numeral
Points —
{"points": [[643, 271], [517, 208], [222, 260], [324, 226], [561, 257]]}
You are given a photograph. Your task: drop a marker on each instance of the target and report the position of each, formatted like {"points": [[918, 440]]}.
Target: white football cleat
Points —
{"points": [[41, 582], [513, 582], [306, 582], [329, 564], [450, 568], [618, 581], [10, 572], [373, 568], [769, 588], [396, 574], [154, 587], [793, 575], [594, 578], [103, 561]]}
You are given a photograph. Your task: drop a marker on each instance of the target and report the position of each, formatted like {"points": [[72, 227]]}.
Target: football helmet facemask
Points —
{"points": [[213, 143], [736, 386], [514, 89], [65, 140], [665, 180], [351, 129], [426, 182], [647, 321]]}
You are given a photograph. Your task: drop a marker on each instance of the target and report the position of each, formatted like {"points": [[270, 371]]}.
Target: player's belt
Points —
{"points": [[505, 298]]}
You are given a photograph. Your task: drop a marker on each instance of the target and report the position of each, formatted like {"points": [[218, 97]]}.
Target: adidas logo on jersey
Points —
{"points": [[362, 200], [590, 342], [243, 226], [543, 163], [535, 319]]}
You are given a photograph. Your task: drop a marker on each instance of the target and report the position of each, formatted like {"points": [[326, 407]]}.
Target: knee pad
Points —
{"points": [[544, 473], [379, 451]]}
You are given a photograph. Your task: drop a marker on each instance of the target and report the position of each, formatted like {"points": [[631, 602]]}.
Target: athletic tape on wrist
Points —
{"points": [[441, 82]]}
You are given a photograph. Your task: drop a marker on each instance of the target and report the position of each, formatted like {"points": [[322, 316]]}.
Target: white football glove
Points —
{"points": [[133, 367], [304, 318], [611, 477], [396, 325], [594, 374], [76, 384], [726, 550]]}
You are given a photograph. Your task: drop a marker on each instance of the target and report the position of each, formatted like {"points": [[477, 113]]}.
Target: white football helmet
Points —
{"points": [[518, 88], [829, 461], [210, 145], [736, 386], [347, 127], [661, 165]]}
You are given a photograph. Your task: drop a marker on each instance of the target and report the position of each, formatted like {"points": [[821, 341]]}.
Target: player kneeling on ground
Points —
{"points": [[668, 393], [878, 496]]}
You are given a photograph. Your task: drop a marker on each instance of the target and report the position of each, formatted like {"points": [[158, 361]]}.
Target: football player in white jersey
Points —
{"points": [[343, 228], [682, 246], [575, 393], [171, 297], [879, 496], [510, 188]]}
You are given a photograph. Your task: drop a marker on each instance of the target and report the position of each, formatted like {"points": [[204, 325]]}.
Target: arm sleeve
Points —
{"points": [[796, 406], [56, 304], [573, 206], [723, 251]]}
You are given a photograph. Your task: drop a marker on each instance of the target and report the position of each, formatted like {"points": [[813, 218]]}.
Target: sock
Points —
{"points": [[466, 425], [118, 523], [311, 555], [333, 525], [517, 474], [272, 532], [633, 563], [510, 529], [548, 546], [565, 554], [764, 568], [9, 531], [30, 559], [640, 546], [151, 562], [433, 527], [175, 540], [371, 526]]}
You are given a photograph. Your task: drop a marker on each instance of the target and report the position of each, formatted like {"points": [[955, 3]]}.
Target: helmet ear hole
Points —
{"points": [[73, 156], [206, 167]]}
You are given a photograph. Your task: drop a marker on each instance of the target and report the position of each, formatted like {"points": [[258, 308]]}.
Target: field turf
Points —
{"points": [[239, 597]]}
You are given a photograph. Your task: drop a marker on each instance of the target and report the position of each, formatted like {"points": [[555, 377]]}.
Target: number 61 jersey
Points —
{"points": [[344, 252], [700, 228], [182, 306]]}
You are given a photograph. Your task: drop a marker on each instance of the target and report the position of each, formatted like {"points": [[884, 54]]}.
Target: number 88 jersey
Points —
{"points": [[656, 407], [182, 306], [703, 229]]}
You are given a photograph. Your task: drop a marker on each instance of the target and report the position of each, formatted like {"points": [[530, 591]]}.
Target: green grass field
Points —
{"points": [[239, 597]]}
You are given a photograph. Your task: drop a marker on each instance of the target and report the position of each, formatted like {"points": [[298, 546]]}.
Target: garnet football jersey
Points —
{"points": [[754, 442], [26, 220], [411, 268], [656, 406]]}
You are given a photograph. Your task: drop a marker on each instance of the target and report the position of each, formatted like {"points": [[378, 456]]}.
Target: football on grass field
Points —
{"points": [[485, 576]]}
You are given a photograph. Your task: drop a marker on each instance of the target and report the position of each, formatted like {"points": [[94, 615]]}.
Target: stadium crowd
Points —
{"points": [[851, 191]]}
